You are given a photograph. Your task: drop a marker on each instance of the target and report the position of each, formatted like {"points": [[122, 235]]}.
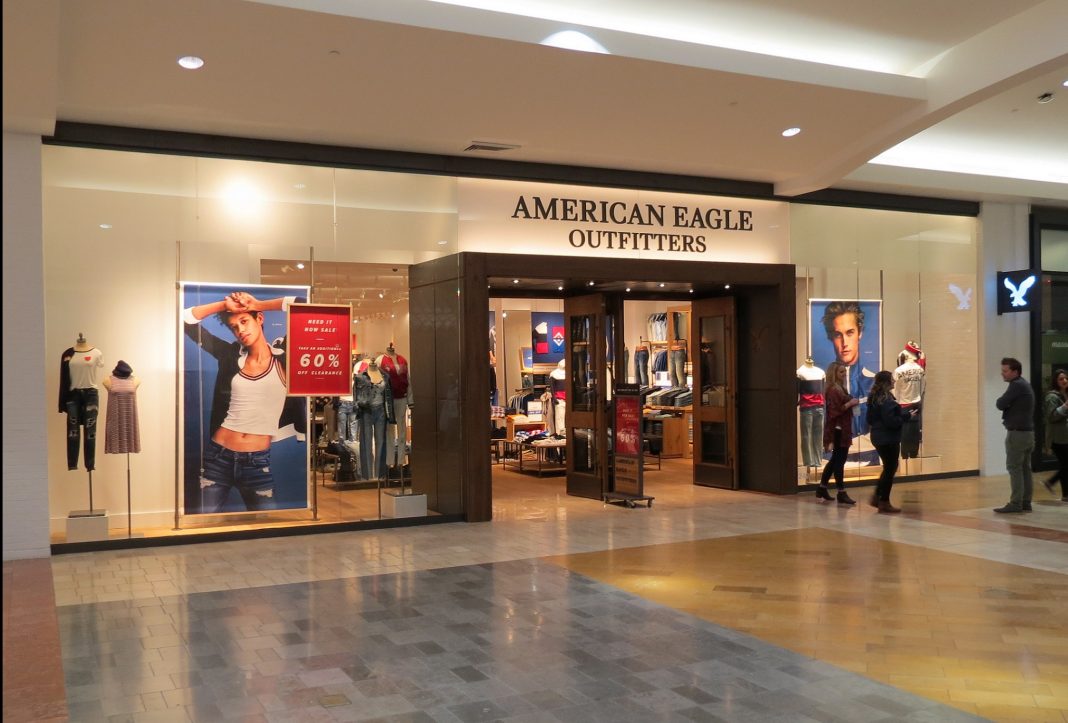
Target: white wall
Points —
{"points": [[1003, 246], [25, 479]]}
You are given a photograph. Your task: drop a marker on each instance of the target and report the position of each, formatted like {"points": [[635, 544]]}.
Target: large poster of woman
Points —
{"points": [[244, 442]]}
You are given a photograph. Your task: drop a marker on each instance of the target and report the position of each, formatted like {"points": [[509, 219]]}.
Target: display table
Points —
{"points": [[534, 458]]}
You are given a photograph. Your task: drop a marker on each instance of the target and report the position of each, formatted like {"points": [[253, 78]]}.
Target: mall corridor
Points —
{"points": [[709, 606]]}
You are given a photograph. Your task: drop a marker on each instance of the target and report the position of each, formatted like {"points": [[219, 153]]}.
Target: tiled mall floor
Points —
{"points": [[710, 605]]}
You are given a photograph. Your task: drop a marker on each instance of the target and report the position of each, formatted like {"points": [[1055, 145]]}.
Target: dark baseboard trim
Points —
{"points": [[132, 543]]}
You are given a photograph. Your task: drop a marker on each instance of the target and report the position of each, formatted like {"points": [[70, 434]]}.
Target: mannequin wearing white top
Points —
{"points": [[558, 385]]}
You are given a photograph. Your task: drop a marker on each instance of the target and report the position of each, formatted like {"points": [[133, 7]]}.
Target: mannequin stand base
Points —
{"points": [[397, 503], [87, 525]]}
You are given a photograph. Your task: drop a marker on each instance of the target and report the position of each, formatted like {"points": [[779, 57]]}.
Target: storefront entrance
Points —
{"points": [[739, 336]]}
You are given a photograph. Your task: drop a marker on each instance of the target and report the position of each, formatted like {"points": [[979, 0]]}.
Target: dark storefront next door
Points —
{"points": [[715, 434], [586, 423]]}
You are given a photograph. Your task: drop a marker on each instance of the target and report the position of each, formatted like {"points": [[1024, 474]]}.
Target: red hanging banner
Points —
{"points": [[319, 350]]}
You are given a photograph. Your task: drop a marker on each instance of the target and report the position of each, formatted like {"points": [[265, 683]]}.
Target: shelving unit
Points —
{"points": [[675, 430]]}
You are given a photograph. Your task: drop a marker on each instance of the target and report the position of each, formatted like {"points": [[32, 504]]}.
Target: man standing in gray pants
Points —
{"points": [[1017, 407]]}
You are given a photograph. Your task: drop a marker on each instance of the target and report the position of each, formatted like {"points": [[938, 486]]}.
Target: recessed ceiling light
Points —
{"points": [[504, 314], [691, 291], [355, 321], [442, 242], [662, 285], [1065, 84], [574, 40], [300, 266], [726, 286], [628, 289], [791, 132], [191, 62], [105, 225], [381, 295], [559, 288], [515, 281], [591, 283], [1045, 98], [392, 316]]}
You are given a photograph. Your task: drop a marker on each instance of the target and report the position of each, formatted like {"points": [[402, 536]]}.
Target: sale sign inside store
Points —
{"points": [[319, 353]]}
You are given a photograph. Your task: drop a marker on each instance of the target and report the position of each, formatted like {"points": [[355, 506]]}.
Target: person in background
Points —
{"points": [[1055, 408], [837, 432], [1017, 407], [886, 418]]}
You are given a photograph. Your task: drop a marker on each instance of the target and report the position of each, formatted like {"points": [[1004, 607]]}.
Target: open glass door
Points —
{"points": [[586, 422], [715, 433]]}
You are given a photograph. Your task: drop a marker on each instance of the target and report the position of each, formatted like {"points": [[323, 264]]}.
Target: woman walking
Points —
{"points": [[837, 432], [1055, 407], [886, 417]]}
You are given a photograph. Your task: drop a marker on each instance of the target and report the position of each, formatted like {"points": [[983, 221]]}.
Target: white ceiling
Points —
{"points": [[945, 90]]}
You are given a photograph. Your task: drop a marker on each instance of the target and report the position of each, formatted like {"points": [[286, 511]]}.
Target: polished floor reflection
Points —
{"points": [[711, 605]]}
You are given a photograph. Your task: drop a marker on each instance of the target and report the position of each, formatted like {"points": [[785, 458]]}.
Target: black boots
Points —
{"points": [[823, 494], [843, 499]]}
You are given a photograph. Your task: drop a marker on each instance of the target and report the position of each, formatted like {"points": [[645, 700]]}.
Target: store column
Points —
{"points": [[1004, 246], [25, 445]]}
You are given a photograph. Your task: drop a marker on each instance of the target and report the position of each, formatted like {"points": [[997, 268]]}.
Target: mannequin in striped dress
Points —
{"points": [[122, 434]]}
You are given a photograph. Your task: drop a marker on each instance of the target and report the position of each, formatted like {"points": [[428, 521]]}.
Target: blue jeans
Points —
{"points": [[82, 408], [1018, 448], [641, 367], [677, 367], [373, 428], [812, 435], [247, 472], [346, 421]]}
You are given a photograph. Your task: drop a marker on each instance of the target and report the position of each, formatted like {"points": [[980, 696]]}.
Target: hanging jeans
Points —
{"points": [[346, 421], [641, 367], [82, 408], [373, 442], [677, 366], [247, 472], [812, 435]]}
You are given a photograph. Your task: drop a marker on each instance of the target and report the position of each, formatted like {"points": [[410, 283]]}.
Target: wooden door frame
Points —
{"points": [[449, 302]]}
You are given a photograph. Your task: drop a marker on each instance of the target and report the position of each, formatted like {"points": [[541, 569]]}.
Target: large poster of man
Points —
{"points": [[849, 332], [244, 441]]}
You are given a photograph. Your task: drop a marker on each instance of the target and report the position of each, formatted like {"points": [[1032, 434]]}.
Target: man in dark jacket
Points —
{"points": [[1017, 407]]}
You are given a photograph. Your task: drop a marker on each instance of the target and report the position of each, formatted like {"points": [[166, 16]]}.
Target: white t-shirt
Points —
{"points": [[909, 382], [83, 366], [256, 402]]}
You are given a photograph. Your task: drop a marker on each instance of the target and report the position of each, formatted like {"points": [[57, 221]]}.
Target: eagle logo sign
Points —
{"points": [[1019, 293], [964, 298]]}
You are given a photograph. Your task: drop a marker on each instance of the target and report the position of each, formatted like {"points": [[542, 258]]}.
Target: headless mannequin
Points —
{"points": [[82, 345], [396, 366], [558, 384], [135, 380], [810, 402]]}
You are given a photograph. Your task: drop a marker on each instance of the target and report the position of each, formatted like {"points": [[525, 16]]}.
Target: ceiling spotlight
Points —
{"points": [[791, 132], [392, 316], [691, 291], [191, 62], [726, 286], [504, 314], [1065, 84], [105, 225], [381, 295], [559, 288], [628, 289], [355, 321], [300, 266], [591, 283], [662, 285], [515, 281], [1045, 98]]}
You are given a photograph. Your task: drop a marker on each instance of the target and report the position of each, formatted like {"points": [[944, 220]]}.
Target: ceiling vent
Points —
{"points": [[490, 146]]}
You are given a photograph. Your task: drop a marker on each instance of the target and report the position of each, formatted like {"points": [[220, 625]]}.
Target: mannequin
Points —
{"points": [[346, 416], [810, 401], [79, 398], [121, 429], [374, 402], [909, 385], [558, 387], [396, 368]]}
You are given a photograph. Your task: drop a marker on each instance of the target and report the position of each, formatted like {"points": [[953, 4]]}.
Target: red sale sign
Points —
{"points": [[319, 352]]}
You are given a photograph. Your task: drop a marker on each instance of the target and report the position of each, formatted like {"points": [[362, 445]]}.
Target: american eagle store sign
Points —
{"points": [[559, 220]]}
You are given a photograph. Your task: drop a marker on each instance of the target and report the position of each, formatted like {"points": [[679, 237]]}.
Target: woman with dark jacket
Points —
{"points": [[837, 432], [885, 417], [1055, 407]]}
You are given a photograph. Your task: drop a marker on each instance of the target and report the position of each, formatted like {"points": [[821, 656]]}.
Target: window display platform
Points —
{"points": [[856, 472]]}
